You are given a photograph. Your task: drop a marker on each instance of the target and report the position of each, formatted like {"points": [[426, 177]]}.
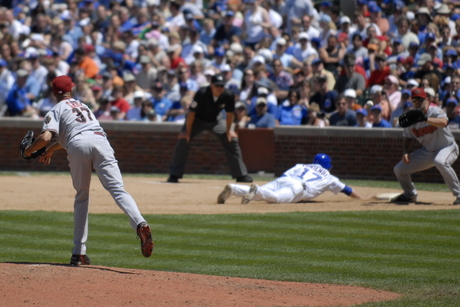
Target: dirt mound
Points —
{"points": [[63, 285]]}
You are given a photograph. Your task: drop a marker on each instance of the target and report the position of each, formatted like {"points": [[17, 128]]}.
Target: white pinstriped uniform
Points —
{"points": [[79, 132], [300, 183]]}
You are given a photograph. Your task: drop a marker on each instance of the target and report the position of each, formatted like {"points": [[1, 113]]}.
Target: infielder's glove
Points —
{"points": [[26, 142], [411, 117]]}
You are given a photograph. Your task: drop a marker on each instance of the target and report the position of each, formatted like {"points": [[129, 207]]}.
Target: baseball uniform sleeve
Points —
{"points": [[439, 113], [51, 122], [335, 185]]}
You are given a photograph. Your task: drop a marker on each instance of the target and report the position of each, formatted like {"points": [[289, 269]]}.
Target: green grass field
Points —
{"points": [[414, 253]]}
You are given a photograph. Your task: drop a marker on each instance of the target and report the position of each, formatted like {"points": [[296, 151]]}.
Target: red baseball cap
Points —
{"points": [[62, 84], [89, 48], [418, 92], [408, 60]]}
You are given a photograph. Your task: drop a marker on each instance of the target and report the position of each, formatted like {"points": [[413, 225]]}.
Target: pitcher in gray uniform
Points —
{"points": [[439, 149], [79, 133]]}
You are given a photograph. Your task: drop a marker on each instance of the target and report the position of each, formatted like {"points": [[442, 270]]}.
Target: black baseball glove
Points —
{"points": [[411, 117], [26, 142]]}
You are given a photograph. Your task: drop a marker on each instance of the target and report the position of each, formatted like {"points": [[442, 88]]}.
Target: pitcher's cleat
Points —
{"points": [[77, 260], [144, 233]]}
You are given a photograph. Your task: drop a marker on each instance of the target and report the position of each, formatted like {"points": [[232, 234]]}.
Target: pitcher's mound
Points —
{"points": [[61, 285]]}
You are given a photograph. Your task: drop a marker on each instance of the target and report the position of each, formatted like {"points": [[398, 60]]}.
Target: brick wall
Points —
{"points": [[148, 147]]}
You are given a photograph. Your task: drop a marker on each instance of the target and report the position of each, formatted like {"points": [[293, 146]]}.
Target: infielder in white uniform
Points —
{"points": [[78, 131], [438, 149], [300, 183]]}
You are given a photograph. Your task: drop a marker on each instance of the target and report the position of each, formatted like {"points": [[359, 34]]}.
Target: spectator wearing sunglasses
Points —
{"points": [[351, 79]]}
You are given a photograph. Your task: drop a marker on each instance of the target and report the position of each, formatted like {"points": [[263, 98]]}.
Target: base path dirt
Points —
{"points": [[191, 196], [25, 284]]}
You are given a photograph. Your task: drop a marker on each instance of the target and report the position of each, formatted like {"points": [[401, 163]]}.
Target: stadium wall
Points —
{"points": [[142, 147]]}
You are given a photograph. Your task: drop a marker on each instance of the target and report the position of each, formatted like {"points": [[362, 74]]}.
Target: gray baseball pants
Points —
{"points": [[85, 152], [232, 149], [422, 159]]}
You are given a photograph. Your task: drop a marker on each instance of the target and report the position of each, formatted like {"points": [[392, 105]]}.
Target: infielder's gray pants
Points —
{"points": [[422, 159], [232, 149]]}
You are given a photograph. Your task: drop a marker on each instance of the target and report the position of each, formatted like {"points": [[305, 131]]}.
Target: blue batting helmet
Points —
{"points": [[323, 160]]}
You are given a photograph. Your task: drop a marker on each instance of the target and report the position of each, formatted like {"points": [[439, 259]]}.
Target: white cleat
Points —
{"points": [[248, 197], [224, 195]]}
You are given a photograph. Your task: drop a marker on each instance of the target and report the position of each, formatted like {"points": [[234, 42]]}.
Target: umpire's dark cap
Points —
{"points": [[218, 80]]}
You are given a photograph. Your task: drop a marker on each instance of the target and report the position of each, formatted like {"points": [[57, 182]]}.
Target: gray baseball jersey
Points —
{"points": [[69, 118], [439, 149], [79, 132], [431, 137]]}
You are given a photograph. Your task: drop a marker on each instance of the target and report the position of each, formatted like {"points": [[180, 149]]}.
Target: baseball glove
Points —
{"points": [[411, 117], [26, 142]]}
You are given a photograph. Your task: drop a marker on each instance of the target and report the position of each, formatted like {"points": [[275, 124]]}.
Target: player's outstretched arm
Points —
{"points": [[355, 194]]}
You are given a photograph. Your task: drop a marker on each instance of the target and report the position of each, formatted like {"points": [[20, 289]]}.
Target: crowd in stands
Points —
{"points": [[292, 62]]}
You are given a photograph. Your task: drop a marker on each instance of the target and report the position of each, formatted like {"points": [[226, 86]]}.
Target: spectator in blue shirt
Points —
{"points": [[324, 97], [263, 91], [290, 112], [208, 31], [225, 31], [452, 113], [262, 119], [19, 99], [160, 103], [379, 122]]}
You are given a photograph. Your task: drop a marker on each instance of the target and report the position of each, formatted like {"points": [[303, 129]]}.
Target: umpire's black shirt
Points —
{"points": [[207, 109]]}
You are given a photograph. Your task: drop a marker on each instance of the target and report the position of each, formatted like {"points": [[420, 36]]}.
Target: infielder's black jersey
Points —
{"points": [[207, 109]]}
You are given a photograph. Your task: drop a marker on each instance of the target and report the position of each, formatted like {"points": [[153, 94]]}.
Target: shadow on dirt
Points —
{"points": [[88, 267]]}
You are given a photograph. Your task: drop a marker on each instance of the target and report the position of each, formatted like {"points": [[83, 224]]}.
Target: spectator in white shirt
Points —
{"points": [[303, 50]]}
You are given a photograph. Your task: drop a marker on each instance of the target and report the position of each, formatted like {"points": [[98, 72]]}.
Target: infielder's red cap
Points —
{"points": [[62, 84], [418, 92]]}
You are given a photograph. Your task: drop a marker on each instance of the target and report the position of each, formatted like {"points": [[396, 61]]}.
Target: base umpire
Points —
{"points": [[205, 113]]}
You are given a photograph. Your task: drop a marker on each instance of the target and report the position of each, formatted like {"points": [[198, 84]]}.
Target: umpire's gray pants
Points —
{"points": [[423, 159], [232, 149]]}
